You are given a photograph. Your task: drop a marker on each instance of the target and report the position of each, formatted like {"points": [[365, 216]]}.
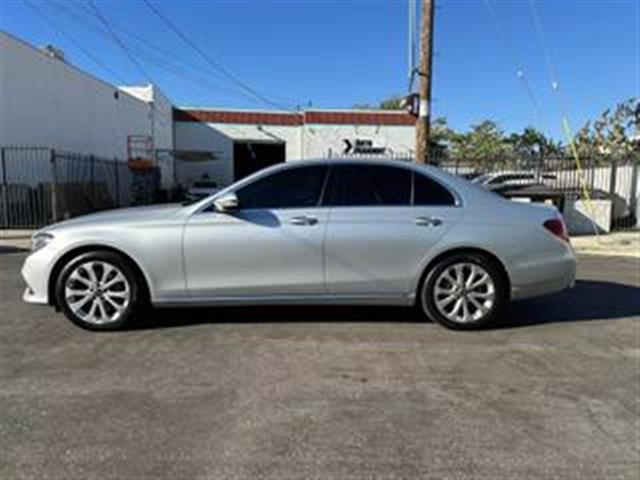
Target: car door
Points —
{"points": [[382, 223], [270, 246]]}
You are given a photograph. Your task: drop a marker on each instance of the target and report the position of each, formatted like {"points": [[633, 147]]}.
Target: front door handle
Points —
{"points": [[303, 220], [428, 221]]}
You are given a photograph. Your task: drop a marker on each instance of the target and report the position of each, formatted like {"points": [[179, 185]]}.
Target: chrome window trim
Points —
{"points": [[458, 200]]}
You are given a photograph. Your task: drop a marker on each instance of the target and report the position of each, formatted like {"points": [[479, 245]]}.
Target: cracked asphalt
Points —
{"points": [[553, 392]]}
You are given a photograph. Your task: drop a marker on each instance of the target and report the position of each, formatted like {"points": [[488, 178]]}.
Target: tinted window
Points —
{"points": [[519, 177], [362, 185], [291, 188], [430, 192], [205, 184]]}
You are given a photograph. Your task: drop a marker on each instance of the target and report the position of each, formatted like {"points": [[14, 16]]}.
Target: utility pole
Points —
{"points": [[424, 72]]}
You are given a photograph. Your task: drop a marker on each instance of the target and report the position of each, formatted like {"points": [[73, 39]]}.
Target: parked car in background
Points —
{"points": [[506, 180], [201, 189], [363, 232], [469, 175]]}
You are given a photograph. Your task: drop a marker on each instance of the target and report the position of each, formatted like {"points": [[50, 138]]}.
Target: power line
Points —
{"points": [[70, 39], [547, 53], [120, 43], [552, 72], [551, 68], [519, 67], [64, 8], [555, 87], [165, 62], [202, 82], [168, 59], [235, 79], [411, 4]]}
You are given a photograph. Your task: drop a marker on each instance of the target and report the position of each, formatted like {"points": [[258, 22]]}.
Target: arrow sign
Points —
{"points": [[348, 146]]}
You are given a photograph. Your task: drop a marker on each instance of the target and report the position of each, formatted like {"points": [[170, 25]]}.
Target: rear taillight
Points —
{"points": [[558, 228]]}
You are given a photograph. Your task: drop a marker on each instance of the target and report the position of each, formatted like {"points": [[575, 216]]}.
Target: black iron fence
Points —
{"points": [[42, 185], [557, 179], [563, 178]]}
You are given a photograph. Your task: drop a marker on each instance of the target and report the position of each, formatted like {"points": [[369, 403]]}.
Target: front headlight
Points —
{"points": [[39, 240]]}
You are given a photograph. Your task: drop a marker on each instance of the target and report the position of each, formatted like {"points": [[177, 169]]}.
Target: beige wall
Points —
{"points": [[302, 142]]}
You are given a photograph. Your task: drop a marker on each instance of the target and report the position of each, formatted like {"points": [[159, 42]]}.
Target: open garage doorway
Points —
{"points": [[249, 157]]}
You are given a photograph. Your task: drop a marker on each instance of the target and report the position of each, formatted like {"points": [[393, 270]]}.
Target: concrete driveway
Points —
{"points": [[327, 392]]}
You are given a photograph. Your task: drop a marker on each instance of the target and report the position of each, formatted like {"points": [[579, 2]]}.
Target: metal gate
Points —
{"points": [[42, 185]]}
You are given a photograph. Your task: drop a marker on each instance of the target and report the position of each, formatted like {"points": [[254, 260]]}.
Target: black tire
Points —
{"points": [[136, 291], [427, 293]]}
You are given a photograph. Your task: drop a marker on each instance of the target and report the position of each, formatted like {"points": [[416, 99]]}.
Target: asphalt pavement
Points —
{"points": [[552, 392]]}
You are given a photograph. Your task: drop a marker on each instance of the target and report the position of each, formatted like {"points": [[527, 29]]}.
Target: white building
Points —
{"points": [[47, 102], [229, 144]]}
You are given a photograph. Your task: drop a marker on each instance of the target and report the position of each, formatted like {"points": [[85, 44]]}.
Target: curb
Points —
{"points": [[607, 254], [16, 235]]}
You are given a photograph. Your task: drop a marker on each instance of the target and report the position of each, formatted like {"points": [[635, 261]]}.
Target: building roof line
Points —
{"points": [[288, 112], [306, 117]]}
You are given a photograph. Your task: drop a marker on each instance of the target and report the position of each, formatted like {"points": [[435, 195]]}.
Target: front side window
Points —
{"points": [[429, 192], [368, 185], [291, 188]]}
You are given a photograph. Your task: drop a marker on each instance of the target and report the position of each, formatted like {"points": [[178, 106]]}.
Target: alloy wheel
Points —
{"points": [[464, 293], [97, 292]]}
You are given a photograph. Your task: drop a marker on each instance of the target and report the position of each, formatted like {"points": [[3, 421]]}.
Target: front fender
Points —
{"points": [[157, 254]]}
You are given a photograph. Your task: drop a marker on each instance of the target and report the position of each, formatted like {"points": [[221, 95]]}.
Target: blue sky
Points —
{"points": [[337, 53]]}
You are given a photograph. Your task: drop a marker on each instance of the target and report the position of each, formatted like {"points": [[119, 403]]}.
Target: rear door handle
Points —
{"points": [[303, 220], [428, 221]]}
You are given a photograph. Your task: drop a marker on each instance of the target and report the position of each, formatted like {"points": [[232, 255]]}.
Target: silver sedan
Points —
{"points": [[308, 232]]}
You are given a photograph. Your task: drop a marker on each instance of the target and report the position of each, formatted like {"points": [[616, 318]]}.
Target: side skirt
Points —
{"points": [[402, 300]]}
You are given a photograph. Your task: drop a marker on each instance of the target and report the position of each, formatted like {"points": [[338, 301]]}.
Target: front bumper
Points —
{"points": [[35, 272]]}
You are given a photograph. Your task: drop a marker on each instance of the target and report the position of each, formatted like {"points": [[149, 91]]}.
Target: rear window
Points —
{"points": [[429, 192], [368, 185]]}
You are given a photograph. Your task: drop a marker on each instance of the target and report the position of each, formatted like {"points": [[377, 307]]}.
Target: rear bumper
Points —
{"points": [[545, 276], [543, 288]]}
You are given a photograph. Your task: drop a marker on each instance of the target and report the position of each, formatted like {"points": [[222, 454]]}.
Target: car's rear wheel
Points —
{"points": [[98, 291], [464, 291]]}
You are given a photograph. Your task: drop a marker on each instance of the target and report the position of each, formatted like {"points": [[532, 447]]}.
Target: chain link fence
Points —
{"points": [[41, 185]]}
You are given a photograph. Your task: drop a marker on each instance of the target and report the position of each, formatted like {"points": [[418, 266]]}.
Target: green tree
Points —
{"points": [[612, 135], [484, 143], [442, 138], [532, 145], [393, 102]]}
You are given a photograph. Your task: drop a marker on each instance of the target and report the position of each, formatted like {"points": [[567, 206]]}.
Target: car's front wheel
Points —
{"points": [[464, 291], [98, 291]]}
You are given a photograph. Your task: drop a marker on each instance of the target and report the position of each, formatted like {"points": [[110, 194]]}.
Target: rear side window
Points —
{"points": [[291, 188], [430, 192], [368, 185]]}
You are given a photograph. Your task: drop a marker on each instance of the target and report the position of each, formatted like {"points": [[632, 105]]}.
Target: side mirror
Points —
{"points": [[226, 203]]}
